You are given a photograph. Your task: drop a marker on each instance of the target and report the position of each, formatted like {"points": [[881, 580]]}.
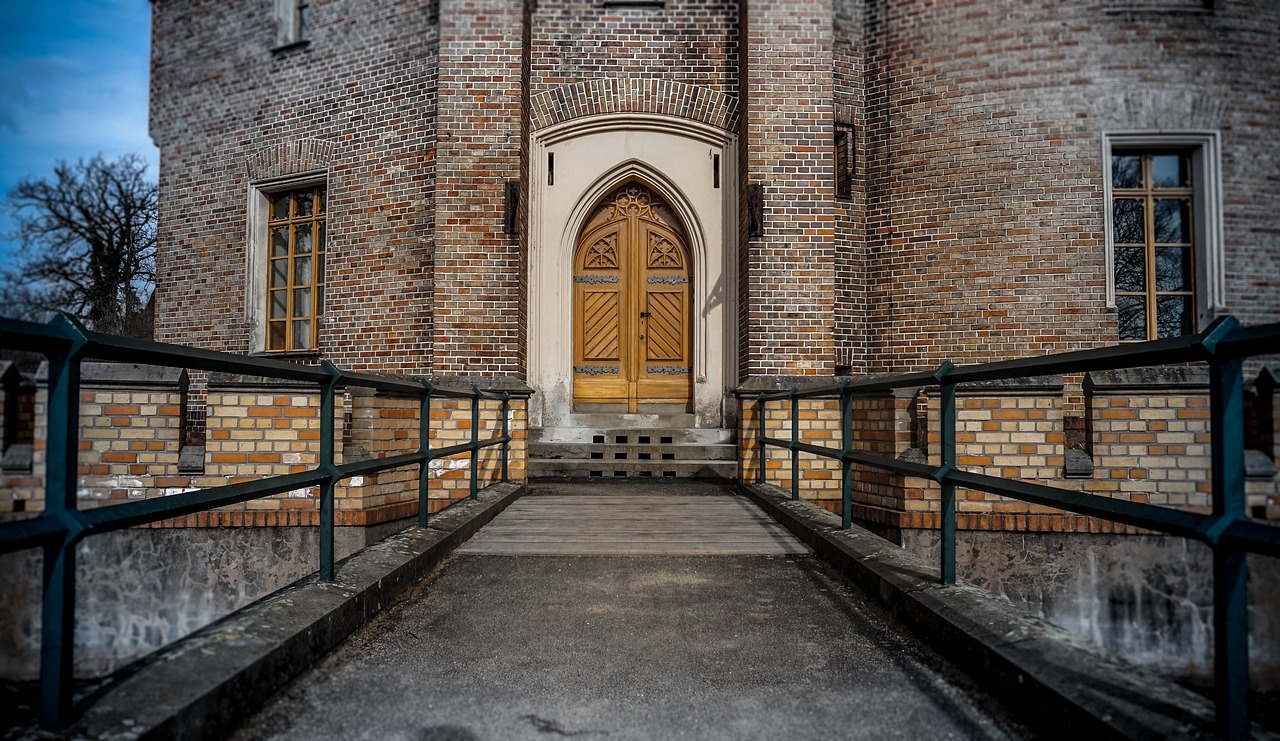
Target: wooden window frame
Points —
{"points": [[1202, 149], [291, 224], [258, 256]]}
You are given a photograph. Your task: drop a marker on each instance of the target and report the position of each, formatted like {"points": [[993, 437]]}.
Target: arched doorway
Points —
{"points": [[632, 307]]}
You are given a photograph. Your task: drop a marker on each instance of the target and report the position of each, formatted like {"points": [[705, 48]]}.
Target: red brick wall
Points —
{"points": [[983, 148], [478, 268], [788, 290], [688, 41], [365, 86]]}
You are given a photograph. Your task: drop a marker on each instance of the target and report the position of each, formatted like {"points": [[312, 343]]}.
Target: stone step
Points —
{"points": [[630, 451], [673, 421], [588, 468], [633, 436]]}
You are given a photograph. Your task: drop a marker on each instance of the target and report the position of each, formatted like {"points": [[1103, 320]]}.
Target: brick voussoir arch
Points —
{"points": [[290, 157], [608, 95]]}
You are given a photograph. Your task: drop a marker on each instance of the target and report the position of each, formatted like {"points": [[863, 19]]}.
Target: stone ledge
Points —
{"points": [[202, 686], [124, 375], [1053, 680], [1192, 379]]}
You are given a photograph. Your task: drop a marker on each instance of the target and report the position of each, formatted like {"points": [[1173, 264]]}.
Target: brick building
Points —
{"points": [[633, 208], [856, 186]]}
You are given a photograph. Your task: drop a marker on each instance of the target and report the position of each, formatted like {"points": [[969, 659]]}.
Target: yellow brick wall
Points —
{"points": [[1150, 446]]}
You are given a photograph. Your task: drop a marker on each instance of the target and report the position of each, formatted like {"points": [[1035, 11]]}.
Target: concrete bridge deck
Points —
{"points": [[633, 610], [637, 611]]}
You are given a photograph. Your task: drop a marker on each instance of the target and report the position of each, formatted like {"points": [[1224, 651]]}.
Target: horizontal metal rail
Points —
{"points": [[61, 524], [1228, 532]]}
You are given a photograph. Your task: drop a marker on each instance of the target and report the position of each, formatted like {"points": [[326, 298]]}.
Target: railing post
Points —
{"points": [[329, 467], [506, 433], [947, 439], [1230, 566], [795, 439], [760, 446], [424, 447], [58, 611], [846, 465], [475, 442]]}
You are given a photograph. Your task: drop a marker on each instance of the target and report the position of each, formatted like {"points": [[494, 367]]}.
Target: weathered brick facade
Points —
{"points": [[966, 219], [970, 223]]}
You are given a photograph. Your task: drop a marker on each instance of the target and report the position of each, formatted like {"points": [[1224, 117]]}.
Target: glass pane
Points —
{"points": [[301, 302], [302, 240], [280, 242], [1126, 171], [1131, 269], [1173, 224], [320, 238], [301, 335], [304, 203], [1128, 214], [302, 271], [320, 301], [276, 336], [1173, 269], [1173, 316], [319, 268], [279, 304], [1170, 171], [280, 206], [279, 273], [320, 194], [1131, 311]]}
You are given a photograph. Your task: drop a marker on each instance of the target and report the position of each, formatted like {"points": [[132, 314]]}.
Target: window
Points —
{"points": [[844, 161], [1162, 227], [291, 22], [295, 269]]}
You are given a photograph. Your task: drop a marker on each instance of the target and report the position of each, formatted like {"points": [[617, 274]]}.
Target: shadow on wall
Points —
{"points": [[1146, 598]]}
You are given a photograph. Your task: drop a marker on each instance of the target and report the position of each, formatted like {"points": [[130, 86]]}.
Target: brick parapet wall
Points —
{"points": [[1146, 434], [131, 437], [131, 425]]}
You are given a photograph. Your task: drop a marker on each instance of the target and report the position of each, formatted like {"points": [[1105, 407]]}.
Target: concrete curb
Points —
{"points": [[203, 685], [1053, 680]]}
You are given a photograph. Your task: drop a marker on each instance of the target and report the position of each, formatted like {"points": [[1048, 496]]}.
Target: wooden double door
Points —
{"points": [[633, 306]]}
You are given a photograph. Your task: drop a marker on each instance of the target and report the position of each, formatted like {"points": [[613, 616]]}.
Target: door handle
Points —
{"points": [[644, 315]]}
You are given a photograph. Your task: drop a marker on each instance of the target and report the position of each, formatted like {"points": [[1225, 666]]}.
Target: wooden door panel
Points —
{"points": [[665, 330], [600, 326], [632, 305]]}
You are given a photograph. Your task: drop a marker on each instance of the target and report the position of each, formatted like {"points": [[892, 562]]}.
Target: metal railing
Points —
{"points": [[61, 525], [1228, 532]]}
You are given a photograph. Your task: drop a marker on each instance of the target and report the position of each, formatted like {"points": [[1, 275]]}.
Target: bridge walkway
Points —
{"points": [[636, 610]]}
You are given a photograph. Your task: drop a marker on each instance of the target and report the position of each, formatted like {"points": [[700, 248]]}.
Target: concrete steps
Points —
{"points": [[632, 452]]}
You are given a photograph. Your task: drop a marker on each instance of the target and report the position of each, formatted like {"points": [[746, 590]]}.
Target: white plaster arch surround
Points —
{"points": [[592, 156]]}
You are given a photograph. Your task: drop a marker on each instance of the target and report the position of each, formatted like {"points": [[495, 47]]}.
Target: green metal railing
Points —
{"points": [[1226, 530], [61, 525]]}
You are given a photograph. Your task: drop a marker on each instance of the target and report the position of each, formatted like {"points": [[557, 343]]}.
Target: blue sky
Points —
{"points": [[73, 83]]}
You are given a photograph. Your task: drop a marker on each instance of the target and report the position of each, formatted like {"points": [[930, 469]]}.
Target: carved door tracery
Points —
{"points": [[632, 282]]}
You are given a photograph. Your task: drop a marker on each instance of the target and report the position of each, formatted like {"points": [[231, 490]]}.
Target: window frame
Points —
{"points": [[258, 258], [1203, 150], [291, 23], [845, 169]]}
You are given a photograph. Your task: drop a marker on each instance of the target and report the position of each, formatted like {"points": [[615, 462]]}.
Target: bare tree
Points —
{"points": [[87, 245]]}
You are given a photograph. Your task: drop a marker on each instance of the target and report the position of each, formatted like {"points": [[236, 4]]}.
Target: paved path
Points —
{"points": [[630, 645], [629, 525]]}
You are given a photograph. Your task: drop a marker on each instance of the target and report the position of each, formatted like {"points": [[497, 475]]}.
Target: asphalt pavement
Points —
{"points": [[626, 646]]}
